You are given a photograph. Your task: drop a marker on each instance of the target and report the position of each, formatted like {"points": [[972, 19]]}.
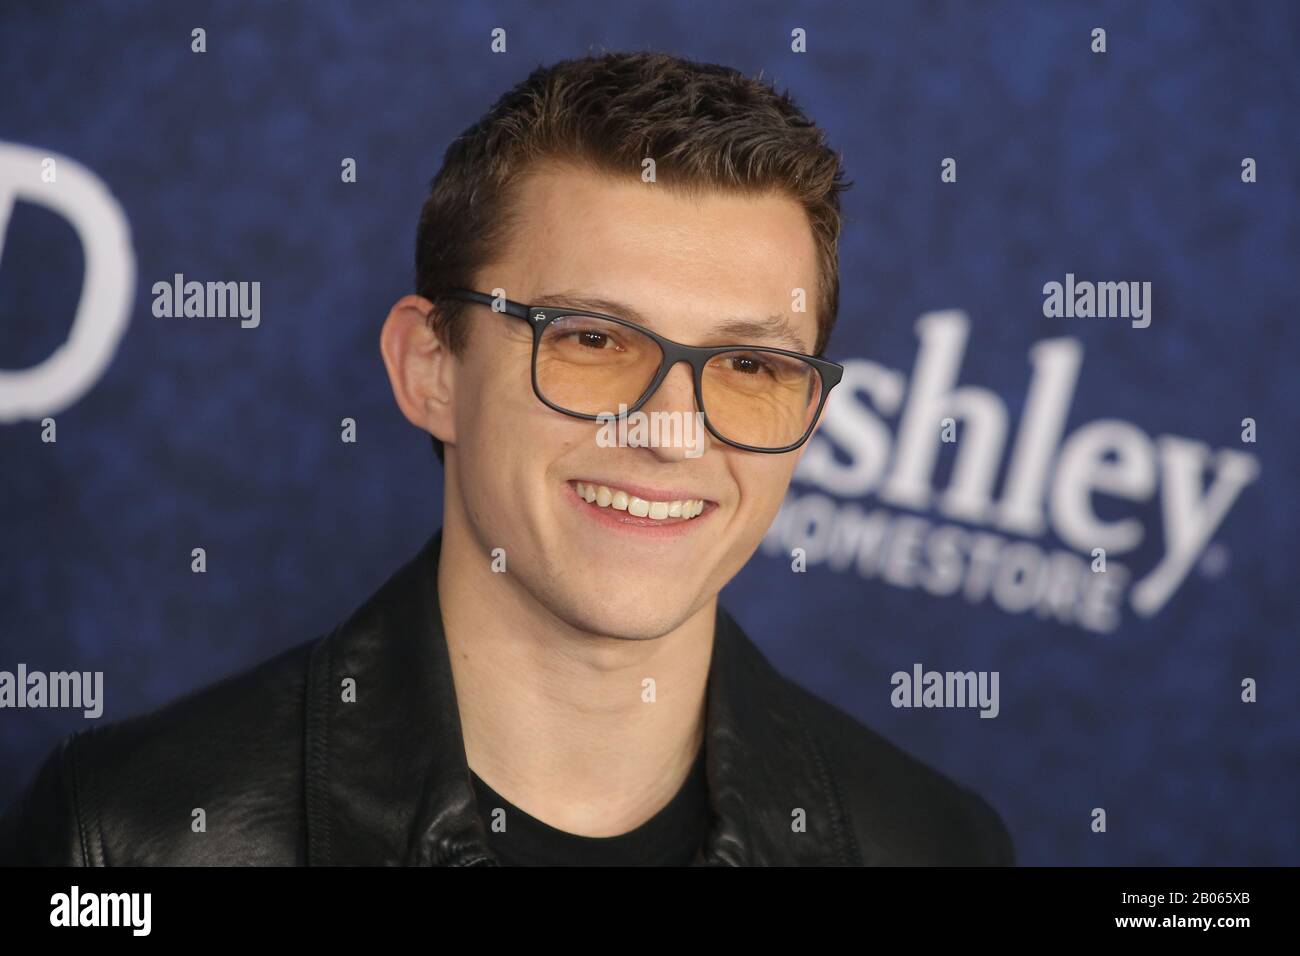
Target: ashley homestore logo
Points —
{"points": [[993, 553]]}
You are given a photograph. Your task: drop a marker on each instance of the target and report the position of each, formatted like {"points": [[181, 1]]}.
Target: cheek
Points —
{"points": [[511, 443], [763, 482], [494, 400]]}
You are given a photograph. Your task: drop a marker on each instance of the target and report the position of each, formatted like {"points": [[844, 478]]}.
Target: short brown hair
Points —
{"points": [[705, 126]]}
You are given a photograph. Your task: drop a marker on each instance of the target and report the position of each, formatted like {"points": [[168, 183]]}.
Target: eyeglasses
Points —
{"points": [[589, 365]]}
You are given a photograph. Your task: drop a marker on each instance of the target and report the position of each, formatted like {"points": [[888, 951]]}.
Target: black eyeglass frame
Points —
{"points": [[696, 356]]}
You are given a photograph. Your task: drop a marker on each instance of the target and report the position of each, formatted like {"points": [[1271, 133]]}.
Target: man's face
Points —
{"points": [[687, 266]]}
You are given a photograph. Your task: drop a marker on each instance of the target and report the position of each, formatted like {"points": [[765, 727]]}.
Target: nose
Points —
{"points": [[675, 429], [675, 393]]}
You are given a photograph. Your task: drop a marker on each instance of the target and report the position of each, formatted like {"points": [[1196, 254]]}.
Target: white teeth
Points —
{"points": [[605, 497]]}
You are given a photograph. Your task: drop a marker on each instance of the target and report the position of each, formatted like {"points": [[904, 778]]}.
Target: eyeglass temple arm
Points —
{"points": [[516, 309]]}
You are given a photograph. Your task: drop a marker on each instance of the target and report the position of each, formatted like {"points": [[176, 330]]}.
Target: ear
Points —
{"points": [[421, 369]]}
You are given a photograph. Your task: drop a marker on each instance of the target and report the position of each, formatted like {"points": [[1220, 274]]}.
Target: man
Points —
{"points": [[552, 679]]}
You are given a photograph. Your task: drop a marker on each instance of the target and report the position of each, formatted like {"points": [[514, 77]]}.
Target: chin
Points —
{"points": [[641, 618]]}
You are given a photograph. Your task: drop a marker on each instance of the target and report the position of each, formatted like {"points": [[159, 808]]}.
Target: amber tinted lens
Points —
{"points": [[591, 366], [761, 399]]}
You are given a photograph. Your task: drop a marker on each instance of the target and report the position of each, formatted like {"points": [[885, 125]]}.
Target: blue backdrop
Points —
{"points": [[1125, 165]]}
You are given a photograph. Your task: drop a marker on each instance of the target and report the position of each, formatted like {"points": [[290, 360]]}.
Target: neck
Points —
{"points": [[558, 720]]}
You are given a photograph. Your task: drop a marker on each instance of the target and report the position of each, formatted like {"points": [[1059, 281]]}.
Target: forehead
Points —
{"points": [[687, 259]]}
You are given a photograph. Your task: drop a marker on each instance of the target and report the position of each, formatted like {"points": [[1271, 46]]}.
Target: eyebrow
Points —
{"points": [[772, 329]]}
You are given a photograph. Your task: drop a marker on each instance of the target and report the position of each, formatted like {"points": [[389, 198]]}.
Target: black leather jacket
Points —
{"points": [[288, 773]]}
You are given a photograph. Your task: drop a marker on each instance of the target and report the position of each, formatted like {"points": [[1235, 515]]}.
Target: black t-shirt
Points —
{"points": [[669, 838]]}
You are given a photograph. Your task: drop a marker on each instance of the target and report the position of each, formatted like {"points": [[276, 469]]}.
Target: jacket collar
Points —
{"points": [[387, 779]]}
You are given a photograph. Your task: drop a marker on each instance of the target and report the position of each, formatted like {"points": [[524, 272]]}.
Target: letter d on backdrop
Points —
{"points": [[103, 311]]}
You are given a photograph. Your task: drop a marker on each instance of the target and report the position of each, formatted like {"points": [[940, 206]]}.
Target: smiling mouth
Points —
{"points": [[612, 500]]}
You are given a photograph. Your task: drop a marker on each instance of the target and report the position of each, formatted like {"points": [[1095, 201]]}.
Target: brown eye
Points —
{"points": [[747, 365]]}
